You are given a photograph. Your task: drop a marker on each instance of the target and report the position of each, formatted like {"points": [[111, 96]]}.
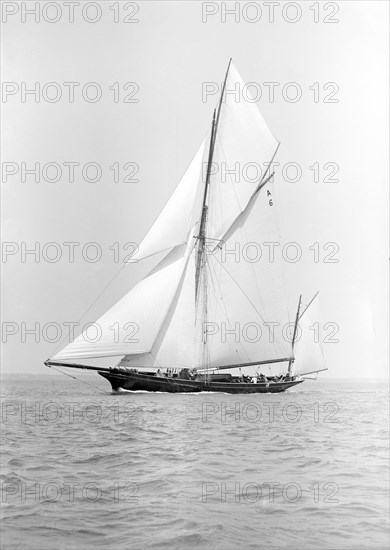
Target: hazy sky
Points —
{"points": [[169, 53]]}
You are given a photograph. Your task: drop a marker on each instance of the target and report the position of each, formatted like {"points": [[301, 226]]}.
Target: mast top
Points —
{"points": [[223, 91]]}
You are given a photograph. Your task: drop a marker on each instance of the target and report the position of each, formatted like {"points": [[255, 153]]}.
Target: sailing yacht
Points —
{"points": [[205, 315]]}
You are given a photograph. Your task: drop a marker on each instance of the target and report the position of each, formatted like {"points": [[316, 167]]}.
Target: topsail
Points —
{"points": [[244, 144]]}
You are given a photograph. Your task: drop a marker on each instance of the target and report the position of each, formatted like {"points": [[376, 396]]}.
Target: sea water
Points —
{"points": [[84, 468]]}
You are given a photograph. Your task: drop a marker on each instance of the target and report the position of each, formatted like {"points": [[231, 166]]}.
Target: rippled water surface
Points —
{"points": [[84, 468]]}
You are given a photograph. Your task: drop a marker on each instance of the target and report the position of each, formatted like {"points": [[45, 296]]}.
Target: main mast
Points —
{"points": [[202, 225], [201, 269], [203, 220]]}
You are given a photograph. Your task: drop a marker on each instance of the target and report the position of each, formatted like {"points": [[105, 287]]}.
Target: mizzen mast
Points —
{"points": [[294, 334]]}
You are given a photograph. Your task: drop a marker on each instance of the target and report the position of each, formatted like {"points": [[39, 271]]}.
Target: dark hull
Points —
{"points": [[145, 382]]}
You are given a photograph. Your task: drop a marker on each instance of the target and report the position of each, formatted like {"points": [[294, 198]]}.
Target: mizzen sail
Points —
{"points": [[309, 355]]}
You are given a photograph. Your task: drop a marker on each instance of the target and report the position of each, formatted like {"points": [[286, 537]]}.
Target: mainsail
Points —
{"points": [[248, 316], [208, 233]]}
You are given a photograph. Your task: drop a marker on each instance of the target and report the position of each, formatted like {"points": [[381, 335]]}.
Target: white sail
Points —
{"points": [[309, 355], [243, 145], [132, 324], [236, 293], [174, 344], [247, 314], [180, 213]]}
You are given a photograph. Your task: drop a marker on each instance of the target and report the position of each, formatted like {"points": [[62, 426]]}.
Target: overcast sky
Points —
{"points": [[169, 53]]}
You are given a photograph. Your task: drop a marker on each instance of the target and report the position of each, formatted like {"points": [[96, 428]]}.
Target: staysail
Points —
{"points": [[174, 343], [132, 324]]}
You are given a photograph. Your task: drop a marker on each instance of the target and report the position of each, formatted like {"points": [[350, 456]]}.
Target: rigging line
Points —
{"points": [[269, 165], [244, 293], [207, 264], [156, 360], [242, 290], [225, 312], [78, 379], [308, 305]]}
